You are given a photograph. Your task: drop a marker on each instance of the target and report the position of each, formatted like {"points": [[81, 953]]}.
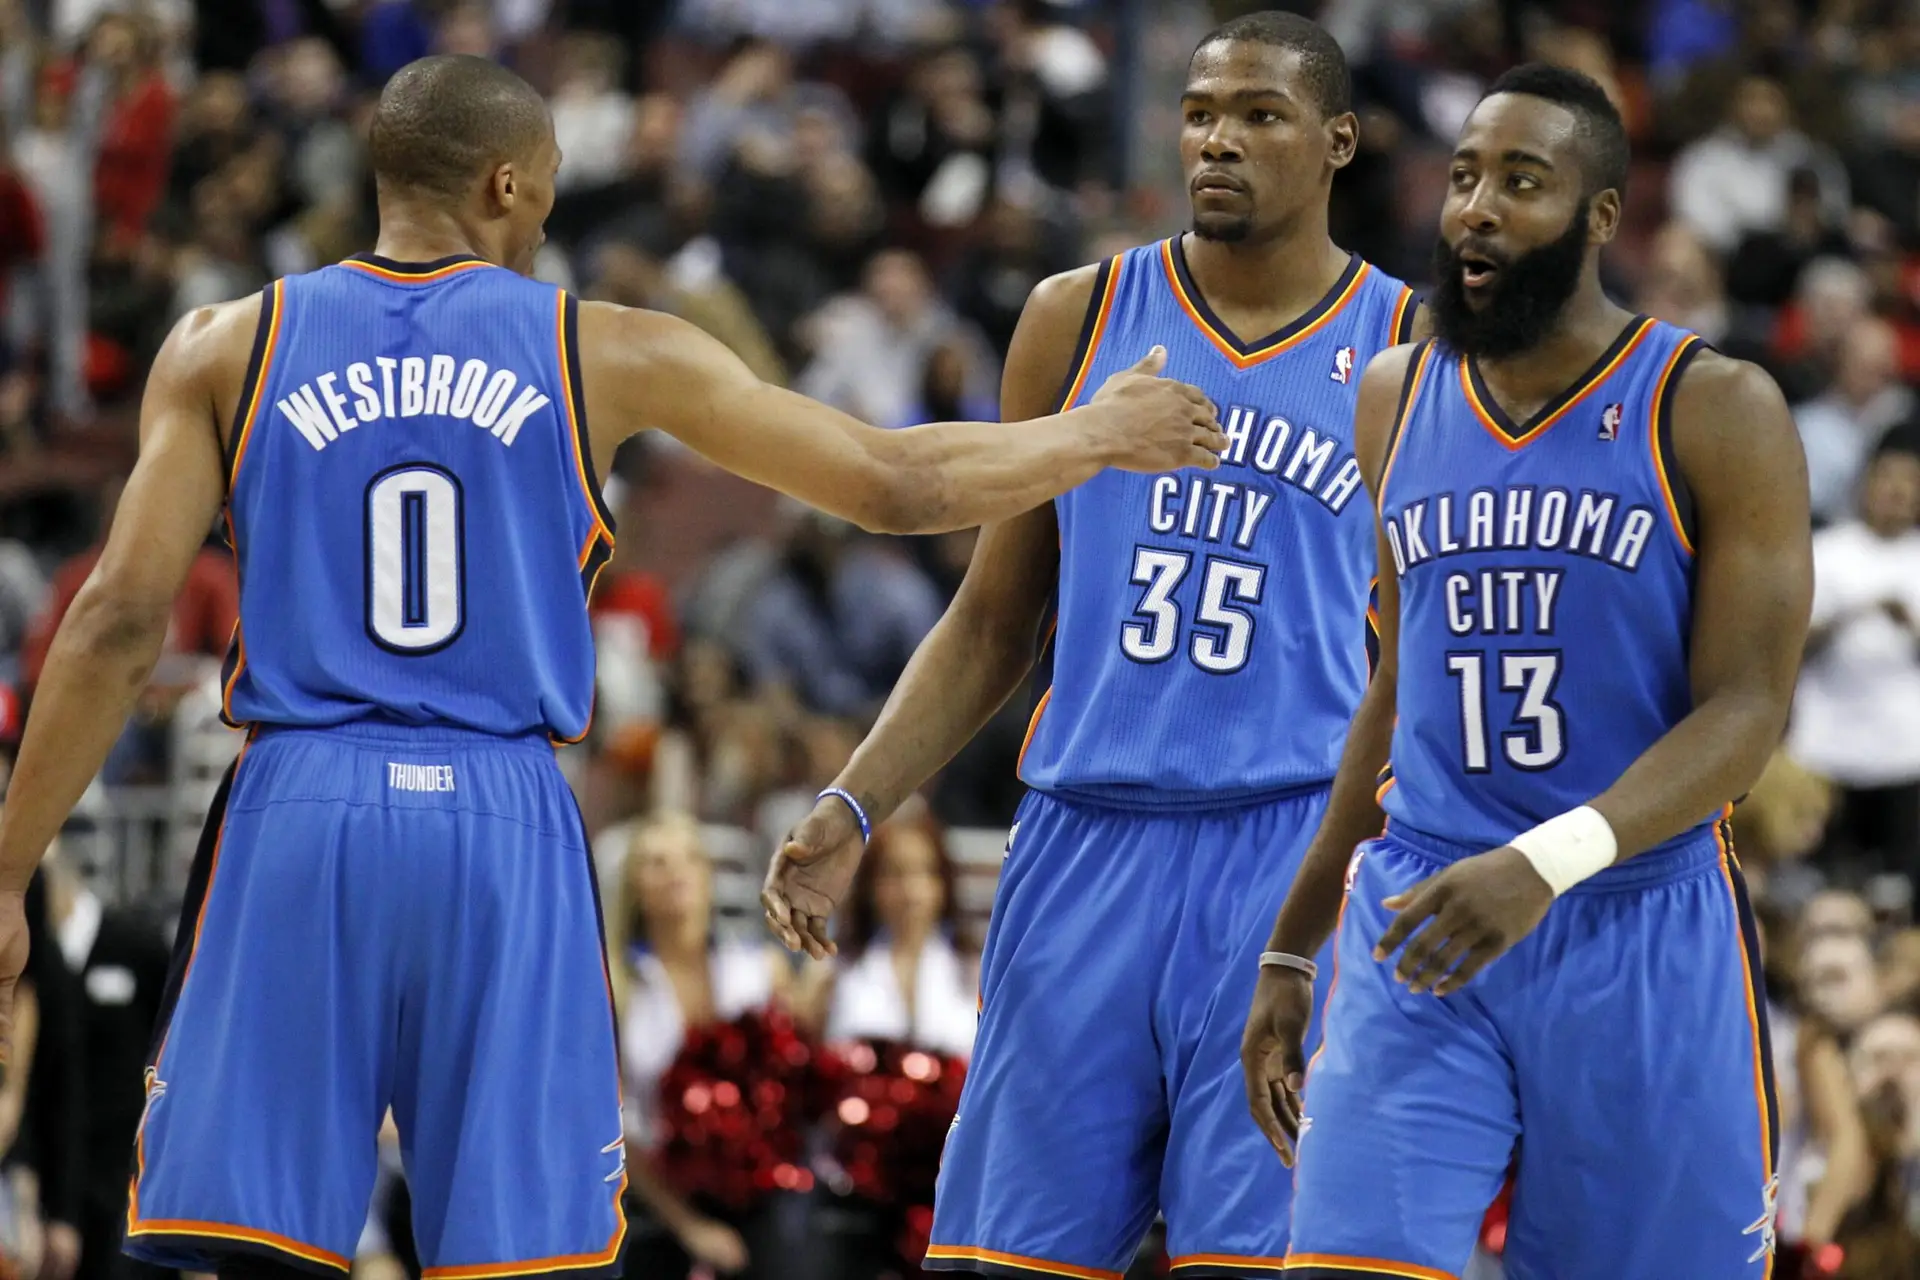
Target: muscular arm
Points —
{"points": [[1753, 588], [113, 632], [1353, 810], [985, 643], [642, 369]]}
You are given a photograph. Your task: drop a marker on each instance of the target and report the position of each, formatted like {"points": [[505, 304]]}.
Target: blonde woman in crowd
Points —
{"points": [[670, 974]]}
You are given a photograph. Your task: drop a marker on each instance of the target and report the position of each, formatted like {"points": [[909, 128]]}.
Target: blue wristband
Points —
{"points": [[859, 814]]}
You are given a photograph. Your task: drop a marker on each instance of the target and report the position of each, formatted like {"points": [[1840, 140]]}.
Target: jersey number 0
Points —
{"points": [[416, 559]]}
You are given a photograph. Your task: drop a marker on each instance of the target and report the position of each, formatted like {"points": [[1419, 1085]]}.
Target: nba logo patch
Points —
{"points": [[1610, 422], [1342, 366]]}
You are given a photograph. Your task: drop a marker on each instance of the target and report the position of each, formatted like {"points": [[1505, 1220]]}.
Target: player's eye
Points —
{"points": [[1197, 116], [1522, 181], [1260, 115], [1461, 178]]}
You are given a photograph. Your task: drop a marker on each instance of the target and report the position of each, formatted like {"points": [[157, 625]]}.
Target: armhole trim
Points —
{"points": [[266, 341], [569, 339], [1666, 467], [1409, 392], [1405, 313], [1092, 328]]}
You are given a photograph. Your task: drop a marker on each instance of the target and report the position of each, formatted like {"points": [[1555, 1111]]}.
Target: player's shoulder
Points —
{"points": [[1730, 423], [208, 328], [1066, 295]]}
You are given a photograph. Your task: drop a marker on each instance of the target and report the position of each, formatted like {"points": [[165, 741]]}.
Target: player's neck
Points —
{"points": [[412, 232], [1589, 325], [1260, 287]]}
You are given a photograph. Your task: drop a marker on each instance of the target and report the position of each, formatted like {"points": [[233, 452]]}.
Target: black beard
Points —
{"points": [[1223, 229], [1523, 303]]}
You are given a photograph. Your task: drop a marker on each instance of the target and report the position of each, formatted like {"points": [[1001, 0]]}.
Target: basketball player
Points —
{"points": [[394, 903], [1210, 648], [1595, 579]]}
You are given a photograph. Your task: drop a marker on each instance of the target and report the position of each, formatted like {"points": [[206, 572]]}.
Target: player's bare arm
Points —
{"points": [[113, 632], [1272, 1050], [966, 668], [1740, 456], [644, 369]]}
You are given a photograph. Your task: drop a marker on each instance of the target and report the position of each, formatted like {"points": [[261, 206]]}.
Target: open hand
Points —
{"points": [[1160, 424], [1273, 1055], [810, 876], [1473, 911]]}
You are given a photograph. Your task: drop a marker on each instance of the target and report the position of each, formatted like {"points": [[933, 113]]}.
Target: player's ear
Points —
{"points": [[1603, 217], [1343, 139], [503, 186]]}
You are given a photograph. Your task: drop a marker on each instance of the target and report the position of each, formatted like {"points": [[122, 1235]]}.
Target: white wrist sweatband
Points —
{"points": [[1567, 849]]}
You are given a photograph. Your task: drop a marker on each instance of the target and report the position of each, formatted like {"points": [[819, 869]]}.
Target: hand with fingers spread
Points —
{"points": [[1473, 912], [810, 876], [1273, 1055], [1163, 424]]}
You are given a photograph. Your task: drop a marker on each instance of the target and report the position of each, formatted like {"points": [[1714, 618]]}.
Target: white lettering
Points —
{"points": [[360, 378], [1633, 539], [529, 403], [336, 403], [1346, 483], [387, 365], [1590, 520], [495, 398], [439, 385], [1546, 586], [466, 392], [1443, 525], [1313, 453], [413, 387], [1222, 499], [1459, 591], [1519, 509], [1273, 442], [1480, 520], [303, 411], [1159, 518], [1553, 519], [1239, 429]]}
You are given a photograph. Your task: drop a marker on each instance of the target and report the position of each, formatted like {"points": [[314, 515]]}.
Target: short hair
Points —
{"points": [[1322, 60], [1602, 132], [444, 120]]}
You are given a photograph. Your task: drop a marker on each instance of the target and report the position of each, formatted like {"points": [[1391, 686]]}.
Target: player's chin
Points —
{"points": [[1222, 226]]}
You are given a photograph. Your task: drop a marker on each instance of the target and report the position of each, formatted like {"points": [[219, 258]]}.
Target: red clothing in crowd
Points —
{"points": [[136, 144], [203, 615]]}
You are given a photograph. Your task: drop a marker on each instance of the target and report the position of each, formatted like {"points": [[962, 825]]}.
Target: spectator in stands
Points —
{"points": [[122, 74], [1881, 1241], [1839, 985], [900, 974], [52, 1135], [1825, 1165], [1837, 913], [1841, 428], [837, 623], [1886, 174], [1766, 263], [1857, 711], [670, 972], [593, 117], [932, 146], [1735, 180], [120, 958]]}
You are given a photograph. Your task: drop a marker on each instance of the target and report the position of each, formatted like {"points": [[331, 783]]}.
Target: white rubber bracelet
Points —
{"points": [[1287, 960], [1568, 849]]}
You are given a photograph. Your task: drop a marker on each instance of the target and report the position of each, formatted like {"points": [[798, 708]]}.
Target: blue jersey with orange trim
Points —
{"points": [[1545, 573], [412, 504], [1211, 644]]}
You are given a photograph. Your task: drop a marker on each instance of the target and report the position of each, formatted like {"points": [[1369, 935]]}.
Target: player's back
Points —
{"points": [[1545, 574], [1210, 644], [413, 506]]}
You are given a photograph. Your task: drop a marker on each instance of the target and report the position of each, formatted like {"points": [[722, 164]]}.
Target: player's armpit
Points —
{"points": [[642, 369], [1740, 457], [113, 632]]}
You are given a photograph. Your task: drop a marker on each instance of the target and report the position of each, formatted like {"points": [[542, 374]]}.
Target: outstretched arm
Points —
{"points": [[968, 665], [642, 369], [1741, 459], [1272, 1048]]}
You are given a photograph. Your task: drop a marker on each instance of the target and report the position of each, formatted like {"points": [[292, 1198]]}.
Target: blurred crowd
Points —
{"points": [[856, 197]]}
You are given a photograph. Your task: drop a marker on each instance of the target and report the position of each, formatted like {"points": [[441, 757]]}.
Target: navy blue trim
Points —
{"points": [[597, 557], [1750, 939], [1408, 318], [416, 268], [1341, 1273], [188, 1252], [1311, 316], [1573, 391], [1415, 359], [583, 440], [1663, 438], [1083, 345], [250, 388], [199, 881], [459, 557]]}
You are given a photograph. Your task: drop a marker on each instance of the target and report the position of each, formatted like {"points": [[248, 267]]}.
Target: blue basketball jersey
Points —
{"points": [[412, 504], [1545, 573], [1210, 642]]}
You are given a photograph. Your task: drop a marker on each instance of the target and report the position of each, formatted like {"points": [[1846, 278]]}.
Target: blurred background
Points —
{"points": [[856, 196]]}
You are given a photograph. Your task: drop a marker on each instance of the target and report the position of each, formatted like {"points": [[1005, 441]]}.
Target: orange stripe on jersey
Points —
{"points": [[236, 643], [246, 1235], [1309, 324], [415, 277], [247, 410], [1571, 397], [965, 1253], [567, 1262], [1376, 1266], [1033, 726], [1396, 331], [1101, 315], [1408, 395], [1727, 863], [574, 432], [1663, 405]]}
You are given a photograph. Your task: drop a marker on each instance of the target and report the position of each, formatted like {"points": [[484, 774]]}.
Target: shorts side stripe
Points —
{"points": [[189, 1230], [1763, 1087], [1337, 1266], [1230, 1264]]}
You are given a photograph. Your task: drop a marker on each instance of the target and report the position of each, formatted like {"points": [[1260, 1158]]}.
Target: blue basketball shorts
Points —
{"points": [[1614, 1064], [1120, 962], [386, 917]]}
